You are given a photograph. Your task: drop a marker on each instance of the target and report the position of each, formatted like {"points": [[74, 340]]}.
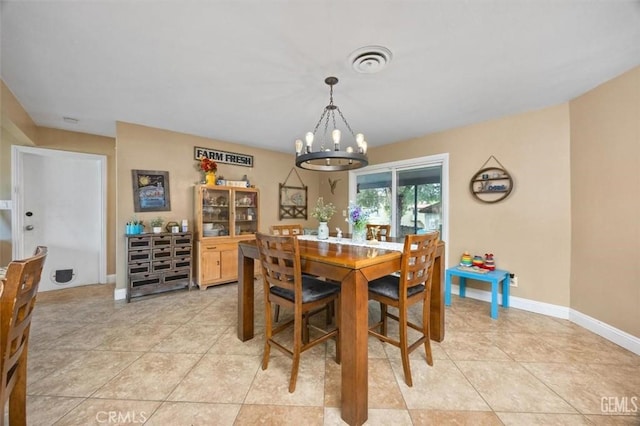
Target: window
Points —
{"points": [[410, 195]]}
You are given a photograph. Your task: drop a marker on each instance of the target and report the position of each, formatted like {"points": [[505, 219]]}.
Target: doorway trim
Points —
{"points": [[17, 222]]}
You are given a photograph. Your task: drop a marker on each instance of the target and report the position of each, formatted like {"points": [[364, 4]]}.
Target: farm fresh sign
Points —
{"points": [[223, 157]]}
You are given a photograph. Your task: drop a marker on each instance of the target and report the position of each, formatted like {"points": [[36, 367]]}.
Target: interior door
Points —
{"points": [[60, 204]]}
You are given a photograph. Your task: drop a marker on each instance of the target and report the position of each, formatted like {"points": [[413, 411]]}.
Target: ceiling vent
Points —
{"points": [[370, 59]]}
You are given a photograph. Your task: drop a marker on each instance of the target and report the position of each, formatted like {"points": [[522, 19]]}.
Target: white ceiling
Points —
{"points": [[252, 72]]}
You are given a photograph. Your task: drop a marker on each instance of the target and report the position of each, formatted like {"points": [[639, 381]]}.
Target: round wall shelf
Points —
{"points": [[491, 184]]}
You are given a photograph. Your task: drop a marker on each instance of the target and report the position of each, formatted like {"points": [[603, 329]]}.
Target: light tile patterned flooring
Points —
{"points": [[174, 359]]}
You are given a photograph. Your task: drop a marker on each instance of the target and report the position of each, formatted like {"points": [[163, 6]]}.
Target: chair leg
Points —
{"points": [[268, 327], [404, 347], [297, 348], [336, 304], [276, 315], [426, 330], [18, 397], [383, 319]]}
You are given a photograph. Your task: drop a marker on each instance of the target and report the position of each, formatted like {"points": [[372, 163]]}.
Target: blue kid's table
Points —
{"points": [[495, 277]]}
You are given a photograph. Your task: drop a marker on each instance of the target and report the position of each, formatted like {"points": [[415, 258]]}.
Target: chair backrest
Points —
{"points": [[280, 262], [382, 231], [16, 307], [293, 229], [418, 261]]}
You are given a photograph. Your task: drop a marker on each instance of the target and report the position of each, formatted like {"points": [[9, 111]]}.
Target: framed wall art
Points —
{"points": [[151, 191], [292, 199]]}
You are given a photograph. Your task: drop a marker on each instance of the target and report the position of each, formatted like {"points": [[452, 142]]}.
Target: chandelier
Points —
{"points": [[330, 157]]}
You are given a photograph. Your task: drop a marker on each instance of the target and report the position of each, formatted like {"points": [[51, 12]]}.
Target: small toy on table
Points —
{"points": [[489, 263], [466, 259], [477, 261]]}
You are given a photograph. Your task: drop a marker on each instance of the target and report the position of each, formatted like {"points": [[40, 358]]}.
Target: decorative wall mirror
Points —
{"points": [[292, 199]]}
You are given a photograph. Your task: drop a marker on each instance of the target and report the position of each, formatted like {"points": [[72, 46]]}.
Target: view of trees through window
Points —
{"points": [[417, 206]]}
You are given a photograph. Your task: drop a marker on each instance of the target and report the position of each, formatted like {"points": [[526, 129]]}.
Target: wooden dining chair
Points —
{"points": [[285, 285], [16, 307], [411, 287], [291, 229], [382, 231]]}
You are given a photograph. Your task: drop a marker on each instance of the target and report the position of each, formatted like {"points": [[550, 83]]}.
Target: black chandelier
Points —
{"points": [[334, 159]]}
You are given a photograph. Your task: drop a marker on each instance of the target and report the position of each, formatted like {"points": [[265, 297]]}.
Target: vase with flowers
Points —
{"points": [[209, 167], [323, 212], [358, 218]]}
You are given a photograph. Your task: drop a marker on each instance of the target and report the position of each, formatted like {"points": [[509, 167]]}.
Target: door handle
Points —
{"points": [[28, 228]]}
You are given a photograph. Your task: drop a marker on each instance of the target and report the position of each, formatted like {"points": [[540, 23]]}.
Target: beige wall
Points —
{"points": [[528, 232], [146, 148], [605, 186]]}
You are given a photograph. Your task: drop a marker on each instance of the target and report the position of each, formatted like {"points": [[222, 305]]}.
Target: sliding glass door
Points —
{"points": [[411, 195]]}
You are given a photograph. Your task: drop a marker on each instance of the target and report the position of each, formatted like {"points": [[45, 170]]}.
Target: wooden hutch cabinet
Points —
{"points": [[225, 215]]}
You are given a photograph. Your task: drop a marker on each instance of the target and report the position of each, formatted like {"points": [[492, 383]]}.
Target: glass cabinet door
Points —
{"points": [[216, 212], [246, 217]]}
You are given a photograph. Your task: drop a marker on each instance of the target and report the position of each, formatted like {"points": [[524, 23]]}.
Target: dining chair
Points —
{"points": [[412, 286], [284, 284], [16, 307], [291, 229], [382, 231]]}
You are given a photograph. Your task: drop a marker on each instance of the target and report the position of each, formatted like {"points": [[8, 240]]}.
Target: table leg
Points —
{"points": [[462, 283], [354, 336], [494, 298], [447, 283], [436, 319], [505, 291], [245, 297]]}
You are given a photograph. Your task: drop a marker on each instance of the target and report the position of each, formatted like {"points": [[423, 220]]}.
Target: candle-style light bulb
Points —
{"points": [[364, 147], [298, 146], [309, 139], [359, 139], [336, 139]]}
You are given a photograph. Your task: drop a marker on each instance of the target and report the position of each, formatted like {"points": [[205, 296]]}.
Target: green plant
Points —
{"points": [[323, 212], [157, 222]]}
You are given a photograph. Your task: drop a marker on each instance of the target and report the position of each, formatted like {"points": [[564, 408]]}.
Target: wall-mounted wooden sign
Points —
{"points": [[223, 156]]}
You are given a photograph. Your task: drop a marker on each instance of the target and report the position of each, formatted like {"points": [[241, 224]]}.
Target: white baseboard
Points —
{"points": [[610, 333], [120, 294]]}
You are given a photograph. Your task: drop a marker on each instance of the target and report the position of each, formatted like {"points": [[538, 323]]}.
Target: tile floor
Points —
{"points": [[174, 359]]}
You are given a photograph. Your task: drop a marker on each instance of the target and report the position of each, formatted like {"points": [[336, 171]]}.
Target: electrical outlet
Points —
{"points": [[344, 213], [513, 280]]}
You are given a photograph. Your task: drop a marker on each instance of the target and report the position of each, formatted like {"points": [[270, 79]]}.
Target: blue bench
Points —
{"points": [[494, 277]]}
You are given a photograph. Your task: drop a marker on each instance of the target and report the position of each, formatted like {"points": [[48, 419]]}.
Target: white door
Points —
{"points": [[59, 200]]}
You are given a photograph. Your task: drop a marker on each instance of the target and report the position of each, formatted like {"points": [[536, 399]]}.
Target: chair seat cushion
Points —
{"points": [[389, 286], [312, 290]]}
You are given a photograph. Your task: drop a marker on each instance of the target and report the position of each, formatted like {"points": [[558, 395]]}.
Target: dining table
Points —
{"points": [[353, 265]]}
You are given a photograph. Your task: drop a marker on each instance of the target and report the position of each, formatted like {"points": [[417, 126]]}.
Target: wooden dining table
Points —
{"points": [[354, 266]]}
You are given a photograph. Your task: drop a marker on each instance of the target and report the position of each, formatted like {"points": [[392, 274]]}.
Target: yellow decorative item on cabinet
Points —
{"points": [[211, 178]]}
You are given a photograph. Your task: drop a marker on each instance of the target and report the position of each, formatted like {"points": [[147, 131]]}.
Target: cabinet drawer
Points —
{"points": [[181, 240], [219, 247], [182, 263], [182, 251], [161, 265], [145, 279], [177, 276], [161, 241], [138, 268], [138, 243], [161, 253], [139, 256]]}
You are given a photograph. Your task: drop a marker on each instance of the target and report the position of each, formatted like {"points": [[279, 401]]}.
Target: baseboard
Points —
{"points": [[610, 333], [602, 329], [120, 294]]}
